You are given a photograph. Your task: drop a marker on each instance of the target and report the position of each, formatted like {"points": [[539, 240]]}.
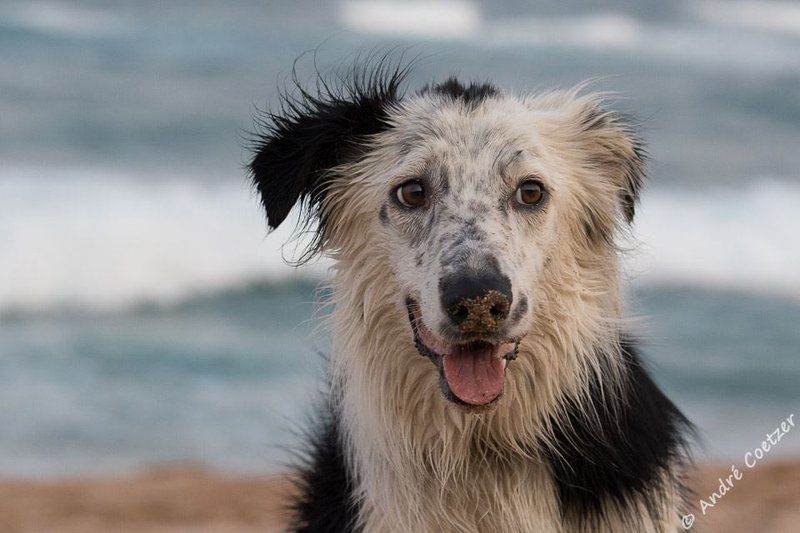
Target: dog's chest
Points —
{"points": [[517, 498]]}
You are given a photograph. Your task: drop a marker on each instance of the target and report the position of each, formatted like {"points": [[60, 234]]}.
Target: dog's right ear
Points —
{"points": [[313, 133]]}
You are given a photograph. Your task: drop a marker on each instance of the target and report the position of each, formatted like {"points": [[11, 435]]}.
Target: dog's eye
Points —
{"points": [[530, 192], [411, 194]]}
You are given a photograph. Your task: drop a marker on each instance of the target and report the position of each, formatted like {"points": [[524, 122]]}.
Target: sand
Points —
{"points": [[172, 500], [166, 500], [766, 499]]}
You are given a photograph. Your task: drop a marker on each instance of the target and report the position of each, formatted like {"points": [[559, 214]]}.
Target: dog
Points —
{"points": [[482, 377]]}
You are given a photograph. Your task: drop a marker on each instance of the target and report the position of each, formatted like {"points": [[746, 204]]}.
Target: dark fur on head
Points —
{"points": [[314, 132], [470, 95]]}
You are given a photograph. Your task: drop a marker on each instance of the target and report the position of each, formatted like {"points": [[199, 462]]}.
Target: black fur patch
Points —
{"points": [[633, 168], [471, 95], [635, 178], [608, 454], [519, 312], [314, 132], [326, 503]]}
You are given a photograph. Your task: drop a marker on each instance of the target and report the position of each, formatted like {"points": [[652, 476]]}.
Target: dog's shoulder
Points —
{"points": [[619, 450], [325, 501]]}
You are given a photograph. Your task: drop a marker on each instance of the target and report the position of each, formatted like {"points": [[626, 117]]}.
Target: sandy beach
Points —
{"points": [[172, 500]]}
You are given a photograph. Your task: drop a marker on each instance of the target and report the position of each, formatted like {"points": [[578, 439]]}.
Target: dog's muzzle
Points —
{"points": [[470, 373]]}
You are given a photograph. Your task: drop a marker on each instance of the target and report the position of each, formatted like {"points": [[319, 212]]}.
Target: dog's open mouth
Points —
{"points": [[471, 373]]}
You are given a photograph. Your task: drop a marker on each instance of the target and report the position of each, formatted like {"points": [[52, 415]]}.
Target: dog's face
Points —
{"points": [[469, 210], [468, 193]]}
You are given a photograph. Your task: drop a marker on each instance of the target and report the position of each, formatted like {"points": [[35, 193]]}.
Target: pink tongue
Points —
{"points": [[476, 377]]}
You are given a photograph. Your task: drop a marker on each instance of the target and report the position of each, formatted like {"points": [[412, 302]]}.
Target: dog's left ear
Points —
{"points": [[314, 133], [615, 146]]}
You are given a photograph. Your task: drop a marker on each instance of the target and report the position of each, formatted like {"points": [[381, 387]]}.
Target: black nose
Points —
{"points": [[476, 302]]}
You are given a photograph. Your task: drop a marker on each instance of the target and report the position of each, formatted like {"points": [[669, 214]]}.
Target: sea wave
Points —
{"points": [[763, 15], [741, 237], [104, 240], [428, 19], [463, 20], [604, 30], [101, 240], [64, 19], [741, 34], [763, 44]]}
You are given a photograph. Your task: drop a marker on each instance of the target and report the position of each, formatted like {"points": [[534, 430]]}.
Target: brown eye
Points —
{"points": [[530, 192], [411, 194]]}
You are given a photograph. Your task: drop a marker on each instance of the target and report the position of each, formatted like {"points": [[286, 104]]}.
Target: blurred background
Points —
{"points": [[146, 317]]}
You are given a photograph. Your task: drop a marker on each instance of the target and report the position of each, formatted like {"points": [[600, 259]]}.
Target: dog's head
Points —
{"points": [[463, 195]]}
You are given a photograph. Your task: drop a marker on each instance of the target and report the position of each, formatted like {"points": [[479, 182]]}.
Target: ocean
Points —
{"points": [[146, 316]]}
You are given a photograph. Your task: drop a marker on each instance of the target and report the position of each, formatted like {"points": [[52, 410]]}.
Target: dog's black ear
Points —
{"points": [[312, 133], [616, 146]]}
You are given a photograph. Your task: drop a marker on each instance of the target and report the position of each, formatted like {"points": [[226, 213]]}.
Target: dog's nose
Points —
{"points": [[476, 303]]}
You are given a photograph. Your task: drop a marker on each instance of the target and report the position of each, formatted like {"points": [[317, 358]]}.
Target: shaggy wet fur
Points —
{"points": [[581, 438]]}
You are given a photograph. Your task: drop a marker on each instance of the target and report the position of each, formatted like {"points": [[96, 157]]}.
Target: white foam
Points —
{"points": [[605, 30], [716, 45], [65, 18], [457, 19], [105, 240], [745, 237], [750, 36], [769, 16], [417, 18]]}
